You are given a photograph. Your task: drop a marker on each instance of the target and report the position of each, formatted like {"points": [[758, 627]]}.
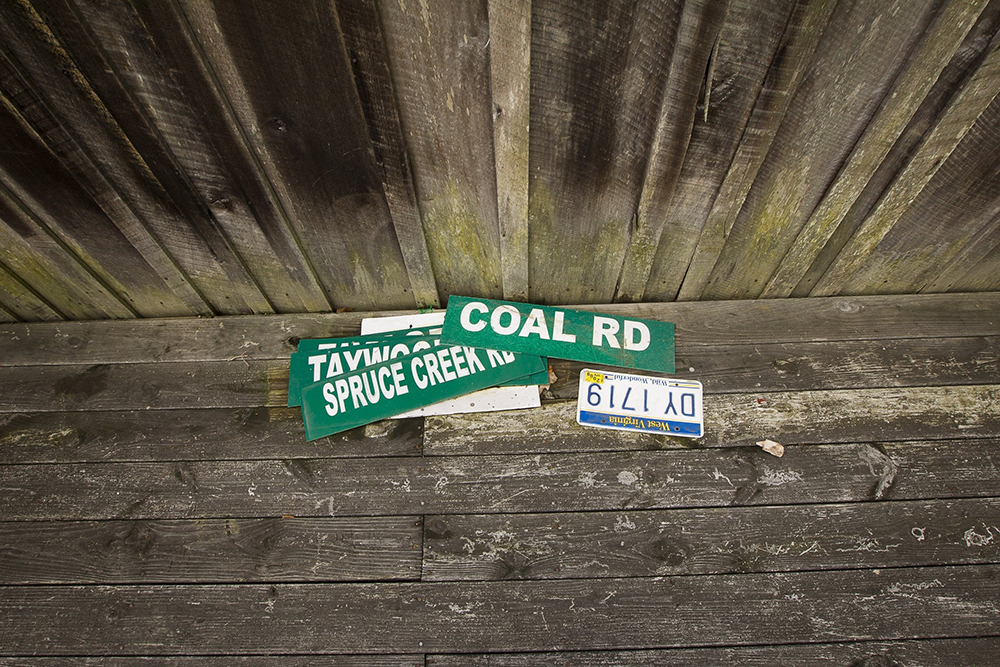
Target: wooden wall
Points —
{"points": [[189, 157]]}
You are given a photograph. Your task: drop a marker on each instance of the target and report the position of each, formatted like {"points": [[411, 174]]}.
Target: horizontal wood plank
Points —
{"points": [[708, 323], [191, 435], [242, 383], [233, 384], [216, 550], [496, 484], [802, 417], [711, 541], [385, 660], [722, 610], [926, 653], [826, 365]]}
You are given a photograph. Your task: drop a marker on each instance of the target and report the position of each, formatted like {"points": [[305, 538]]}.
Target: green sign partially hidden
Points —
{"points": [[327, 358], [407, 383], [560, 332]]}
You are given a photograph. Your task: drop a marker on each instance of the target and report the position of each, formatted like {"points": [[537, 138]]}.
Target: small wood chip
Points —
{"points": [[772, 447]]}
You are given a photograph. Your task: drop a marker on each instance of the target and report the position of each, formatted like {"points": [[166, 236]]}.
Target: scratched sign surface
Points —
{"points": [[639, 403]]}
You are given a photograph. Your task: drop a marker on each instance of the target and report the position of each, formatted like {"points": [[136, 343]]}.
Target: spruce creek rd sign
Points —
{"points": [[320, 359], [560, 332], [407, 382]]}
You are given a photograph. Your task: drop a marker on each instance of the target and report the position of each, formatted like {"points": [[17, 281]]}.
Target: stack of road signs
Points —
{"points": [[400, 366]]}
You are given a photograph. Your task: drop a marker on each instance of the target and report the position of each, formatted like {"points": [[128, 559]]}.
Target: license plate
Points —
{"points": [[640, 403]]}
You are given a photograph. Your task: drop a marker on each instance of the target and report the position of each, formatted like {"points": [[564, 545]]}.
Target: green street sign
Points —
{"points": [[560, 332], [406, 383], [326, 358]]}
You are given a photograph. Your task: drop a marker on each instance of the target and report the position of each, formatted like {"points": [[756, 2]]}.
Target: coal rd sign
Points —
{"points": [[560, 332]]}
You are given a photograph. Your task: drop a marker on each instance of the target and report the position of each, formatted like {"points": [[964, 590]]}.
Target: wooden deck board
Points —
{"points": [[160, 506], [696, 324], [717, 610], [495, 484]]}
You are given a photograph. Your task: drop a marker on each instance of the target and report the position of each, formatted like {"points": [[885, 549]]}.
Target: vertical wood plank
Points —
{"points": [[510, 79], [981, 277], [287, 77], [19, 300], [844, 275], [44, 187], [362, 27], [6, 315], [954, 277], [961, 201], [746, 47], [29, 249], [116, 39], [949, 83], [599, 72], [122, 170], [165, 179], [439, 56], [95, 181], [940, 43], [697, 34], [864, 46], [798, 44]]}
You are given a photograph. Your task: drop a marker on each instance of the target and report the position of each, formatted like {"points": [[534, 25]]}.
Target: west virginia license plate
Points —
{"points": [[640, 403]]}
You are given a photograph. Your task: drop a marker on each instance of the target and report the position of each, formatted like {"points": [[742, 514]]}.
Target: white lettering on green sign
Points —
{"points": [[406, 383], [560, 332]]}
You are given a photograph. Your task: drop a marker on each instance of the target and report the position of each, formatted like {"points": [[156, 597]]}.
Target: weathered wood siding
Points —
{"points": [[246, 157], [159, 506]]}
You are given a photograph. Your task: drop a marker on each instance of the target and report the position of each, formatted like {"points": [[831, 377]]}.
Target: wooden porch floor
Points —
{"points": [[157, 501]]}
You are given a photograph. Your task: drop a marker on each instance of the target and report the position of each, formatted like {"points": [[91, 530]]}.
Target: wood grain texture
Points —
{"points": [[940, 42], [241, 383], [234, 384], [962, 199], [697, 33], [386, 660], [864, 47], [447, 118], [510, 81], [977, 94], [23, 302], [951, 80], [982, 274], [470, 617], [169, 293], [220, 550], [745, 48], [408, 486], [803, 417], [47, 189], [191, 435], [365, 41], [598, 78], [927, 653], [312, 141], [112, 81], [827, 365], [696, 324], [710, 541], [37, 256], [106, 158], [796, 48], [197, 174]]}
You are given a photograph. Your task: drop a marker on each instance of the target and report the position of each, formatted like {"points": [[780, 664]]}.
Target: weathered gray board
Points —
{"points": [[517, 541]]}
